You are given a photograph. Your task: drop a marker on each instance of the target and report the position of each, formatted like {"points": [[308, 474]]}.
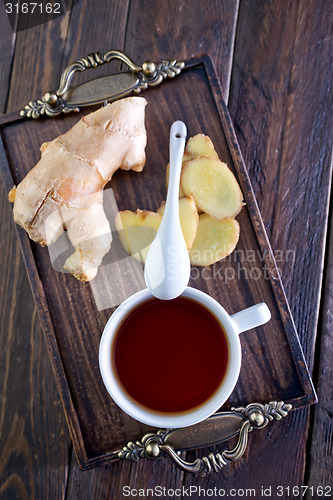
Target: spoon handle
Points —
{"points": [[170, 225], [176, 150]]}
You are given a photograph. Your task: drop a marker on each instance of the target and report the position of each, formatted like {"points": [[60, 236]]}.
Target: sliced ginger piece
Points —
{"points": [[137, 230], [189, 219], [200, 146], [213, 186], [214, 241]]}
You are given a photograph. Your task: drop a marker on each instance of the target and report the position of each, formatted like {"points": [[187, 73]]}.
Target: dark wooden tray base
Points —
{"points": [[273, 363]]}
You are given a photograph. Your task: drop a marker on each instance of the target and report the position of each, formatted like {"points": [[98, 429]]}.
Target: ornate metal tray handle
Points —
{"points": [[216, 429], [104, 88]]}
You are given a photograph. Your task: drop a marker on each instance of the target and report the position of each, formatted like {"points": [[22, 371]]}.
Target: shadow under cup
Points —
{"points": [[170, 363]]}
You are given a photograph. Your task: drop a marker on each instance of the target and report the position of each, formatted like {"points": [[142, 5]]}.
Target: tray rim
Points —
{"points": [[40, 298]]}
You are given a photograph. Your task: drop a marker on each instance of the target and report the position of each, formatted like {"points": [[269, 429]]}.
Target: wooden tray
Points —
{"points": [[273, 366]]}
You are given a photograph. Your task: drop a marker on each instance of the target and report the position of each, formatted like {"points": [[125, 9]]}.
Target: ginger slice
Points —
{"points": [[137, 230], [213, 186], [214, 241], [199, 146], [74, 166]]}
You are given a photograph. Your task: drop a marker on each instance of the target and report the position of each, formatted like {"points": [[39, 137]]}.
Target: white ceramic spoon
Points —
{"points": [[167, 269]]}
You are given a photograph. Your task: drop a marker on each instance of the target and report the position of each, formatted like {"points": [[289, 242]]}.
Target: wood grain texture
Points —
{"points": [[7, 44], [320, 461], [96, 27], [37, 66], [113, 481], [279, 94], [30, 410], [173, 32]]}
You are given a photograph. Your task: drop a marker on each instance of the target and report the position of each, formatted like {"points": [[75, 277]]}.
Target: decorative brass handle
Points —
{"points": [[102, 89], [92, 61], [216, 429]]}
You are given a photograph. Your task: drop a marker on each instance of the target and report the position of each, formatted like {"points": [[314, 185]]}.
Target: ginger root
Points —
{"points": [[64, 189]]}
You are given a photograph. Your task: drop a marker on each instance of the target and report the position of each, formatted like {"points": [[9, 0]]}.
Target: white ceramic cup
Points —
{"points": [[232, 325]]}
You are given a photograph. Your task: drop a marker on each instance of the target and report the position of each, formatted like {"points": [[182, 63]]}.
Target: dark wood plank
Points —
{"points": [[34, 434], [115, 480], [184, 30], [320, 463], [34, 437], [95, 27], [7, 45], [279, 98], [279, 94], [38, 61]]}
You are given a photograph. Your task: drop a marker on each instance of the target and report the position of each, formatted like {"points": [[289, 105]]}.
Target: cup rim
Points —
{"points": [[169, 419]]}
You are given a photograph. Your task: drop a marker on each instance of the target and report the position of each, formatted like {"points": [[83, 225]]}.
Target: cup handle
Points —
{"points": [[251, 318]]}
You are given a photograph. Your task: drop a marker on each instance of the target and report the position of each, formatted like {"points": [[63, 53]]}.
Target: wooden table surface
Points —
{"points": [[274, 61]]}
